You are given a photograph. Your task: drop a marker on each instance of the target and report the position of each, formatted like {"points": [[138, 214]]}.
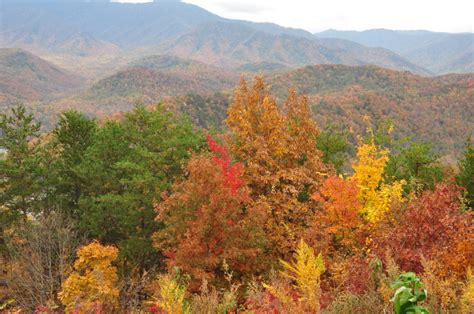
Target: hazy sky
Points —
{"points": [[318, 15]]}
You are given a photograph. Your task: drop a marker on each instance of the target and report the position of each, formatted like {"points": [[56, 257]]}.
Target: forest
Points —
{"points": [[147, 212]]}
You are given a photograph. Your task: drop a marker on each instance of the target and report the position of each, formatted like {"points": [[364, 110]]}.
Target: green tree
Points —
{"points": [[417, 164], [126, 169], [20, 169], [72, 136], [333, 143], [466, 172]]}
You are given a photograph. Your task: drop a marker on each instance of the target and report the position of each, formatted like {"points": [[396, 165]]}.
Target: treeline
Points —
{"points": [[146, 213]]}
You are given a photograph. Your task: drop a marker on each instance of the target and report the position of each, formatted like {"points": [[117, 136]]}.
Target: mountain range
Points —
{"points": [[97, 37], [437, 52], [101, 58]]}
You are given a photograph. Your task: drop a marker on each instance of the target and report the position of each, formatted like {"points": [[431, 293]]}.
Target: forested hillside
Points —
{"points": [[160, 158], [146, 212], [438, 52], [25, 77]]}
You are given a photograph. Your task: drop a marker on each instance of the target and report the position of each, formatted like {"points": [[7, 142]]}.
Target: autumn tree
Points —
{"points": [[208, 220], [281, 163], [93, 283], [374, 194], [434, 227], [336, 229], [304, 271]]}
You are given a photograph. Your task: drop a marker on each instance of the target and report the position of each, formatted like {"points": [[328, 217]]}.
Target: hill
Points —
{"points": [[26, 77], [100, 37], [229, 44], [436, 109], [158, 76], [437, 52]]}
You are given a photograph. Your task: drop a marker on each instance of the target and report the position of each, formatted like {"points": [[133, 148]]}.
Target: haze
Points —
{"points": [[315, 16]]}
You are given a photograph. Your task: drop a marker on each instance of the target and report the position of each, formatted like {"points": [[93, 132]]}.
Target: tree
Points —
{"points": [[416, 164], [465, 177], [208, 220], [93, 283], [124, 171], [72, 136], [333, 144], [305, 272], [40, 253], [434, 227], [21, 169], [281, 163], [336, 229], [375, 195]]}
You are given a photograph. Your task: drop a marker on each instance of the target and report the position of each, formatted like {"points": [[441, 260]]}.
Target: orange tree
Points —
{"points": [[207, 221], [281, 163]]}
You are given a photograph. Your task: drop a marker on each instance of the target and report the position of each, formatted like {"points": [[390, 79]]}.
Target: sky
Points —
{"points": [[318, 15]]}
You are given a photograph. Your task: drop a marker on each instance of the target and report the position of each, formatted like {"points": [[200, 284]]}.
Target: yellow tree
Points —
{"points": [[305, 271], [281, 163], [375, 196], [93, 283]]}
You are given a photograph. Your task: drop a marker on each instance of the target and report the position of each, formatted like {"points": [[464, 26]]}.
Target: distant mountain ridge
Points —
{"points": [[72, 32], [25, 77], [438, 52]]}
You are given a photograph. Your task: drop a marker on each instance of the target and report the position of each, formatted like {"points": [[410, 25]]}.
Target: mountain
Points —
{"points": [[436, 109], [146, 81], [26, 77], [437, 52], [230, 44], [159, 76], [99, 37]]}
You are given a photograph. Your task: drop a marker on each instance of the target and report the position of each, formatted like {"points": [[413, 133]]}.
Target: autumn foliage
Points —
{"points": [[93, 284], [434, 227], [208, 220], [254, 220], [281, 164]]}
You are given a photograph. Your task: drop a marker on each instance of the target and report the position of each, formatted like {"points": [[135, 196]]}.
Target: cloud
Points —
{"points": [[242, 7]]}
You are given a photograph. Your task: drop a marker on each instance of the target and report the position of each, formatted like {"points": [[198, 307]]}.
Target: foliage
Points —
{"points": [[207, 220], [94, 279], [409, 292], [374, 195], [338, 225], [334, 146], [282, 165], [465, 177], [73, 135], [19, 170], [305, 271], [429, 225], [124, 171], [416, 164], [467, 296], [171, 295], [40, 253]]}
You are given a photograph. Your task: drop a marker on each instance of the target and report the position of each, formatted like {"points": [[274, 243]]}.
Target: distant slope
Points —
{"points": [[25, 77], [230, 44], [438, 52], [95, 36], [436, 109], [149, 80]]}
